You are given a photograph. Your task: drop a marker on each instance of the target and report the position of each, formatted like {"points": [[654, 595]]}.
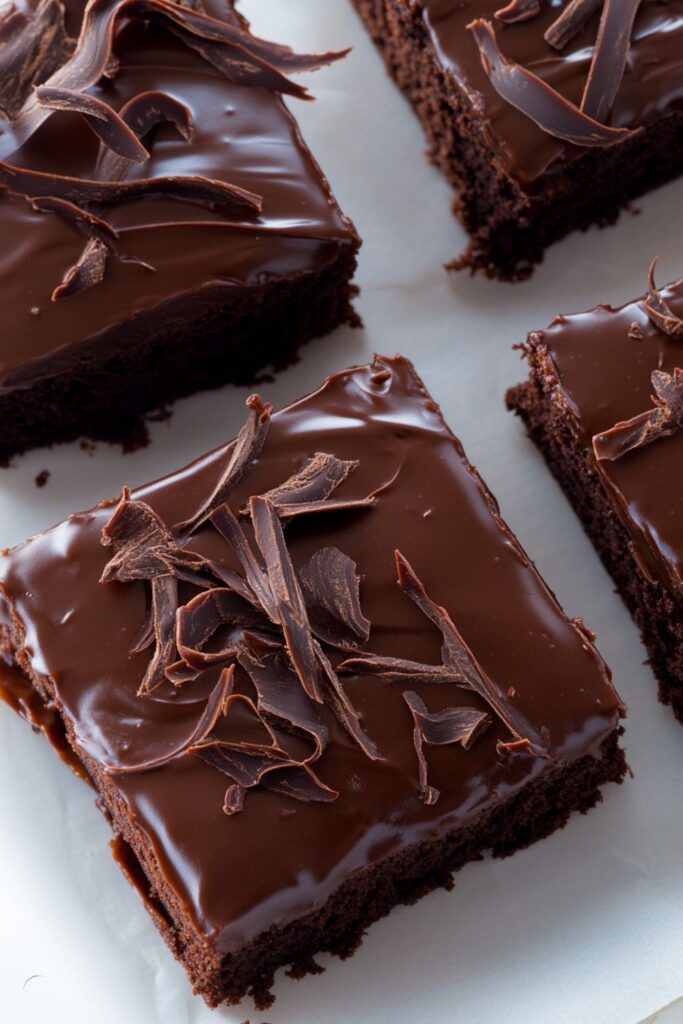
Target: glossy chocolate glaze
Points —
{"points": [[603, 378], [279, 858], [652, 85], [242, 135]]}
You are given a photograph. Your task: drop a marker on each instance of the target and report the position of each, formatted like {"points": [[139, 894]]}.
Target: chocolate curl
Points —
{"points": [[518, 10], [609, 57], [32, 46], [457, 655], [140, 115], [331, 587], [641, 430], [316, 480], [536, 99], [660, 314], [453, 725], [574, 17], [247, 447], [87, 223], [264, 764], [83, 191], [280, 696], [107, 125], [287, 595], [164, 607], [199, 620], [343, 709], [215, 706], [257, 582], [230, 49], [398, 670]]}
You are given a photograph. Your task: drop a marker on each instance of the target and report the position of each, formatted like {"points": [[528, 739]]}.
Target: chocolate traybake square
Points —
{"points": [[164, 227], [545, 116], [604, 403], [310, 676]]}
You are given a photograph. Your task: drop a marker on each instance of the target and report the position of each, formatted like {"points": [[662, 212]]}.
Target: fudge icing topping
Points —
{"points": [[93, 639], [615, 63], [40, 89]]}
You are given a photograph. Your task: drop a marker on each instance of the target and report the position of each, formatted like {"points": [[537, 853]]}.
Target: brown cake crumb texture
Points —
{"points": [[509, 229], [550, 426], [178, 353], [338, 926]]}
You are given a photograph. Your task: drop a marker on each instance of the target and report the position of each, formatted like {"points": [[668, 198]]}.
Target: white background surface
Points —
{"points": [[584, 928]]}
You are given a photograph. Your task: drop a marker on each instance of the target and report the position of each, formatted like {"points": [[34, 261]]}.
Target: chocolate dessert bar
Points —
{"points": [[604, 403], [546, 117], [310, 675], [164, 227]]}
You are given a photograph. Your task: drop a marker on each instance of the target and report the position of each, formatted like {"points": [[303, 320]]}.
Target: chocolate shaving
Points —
{"points": [[265, 764], [342, 707], [331, 588], [609, 57], [398, 670], [574, 17], [289, 602], [164, 607], [453, 725], [246, 448], [87, 223], [307, 508], [200, 619], [317, 479], [229, 48], [107, 125], [280, 697], [659, 312], [663, 420], [141, 114], [83, 191], [518, 10], [32, 46], [537, 100], [458, 656], [225, 521], [215, 706]]}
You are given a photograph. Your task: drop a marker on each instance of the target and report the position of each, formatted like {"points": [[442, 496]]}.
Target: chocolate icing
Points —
{"points": [[242, 135], [603, 369], [438, 512], [652, 85]]}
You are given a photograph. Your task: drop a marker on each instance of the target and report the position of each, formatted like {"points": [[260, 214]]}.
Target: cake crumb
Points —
{"points": [[42, 477]]}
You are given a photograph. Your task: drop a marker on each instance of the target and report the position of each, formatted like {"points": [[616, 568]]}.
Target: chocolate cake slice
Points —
{"points": [[604, 403], [310, 675], [546, 117], [165, 229]]}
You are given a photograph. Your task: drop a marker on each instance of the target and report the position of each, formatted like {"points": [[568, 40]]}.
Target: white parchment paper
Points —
{"points": [[584, 928]]}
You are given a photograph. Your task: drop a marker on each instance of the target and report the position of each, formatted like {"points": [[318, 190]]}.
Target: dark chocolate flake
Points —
{"points": [[317, 479], [641, 430], [213, 709], [331, 587], [398, 670], [518, 10], [33, 44], [659, 312], [528, 93], [289, 602], [259, 590], [453, 725], [457, 655], [246, 448], [164, 607], [574, 17], [109, 126], [201, 618], [346, 714], [609, 57]]}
